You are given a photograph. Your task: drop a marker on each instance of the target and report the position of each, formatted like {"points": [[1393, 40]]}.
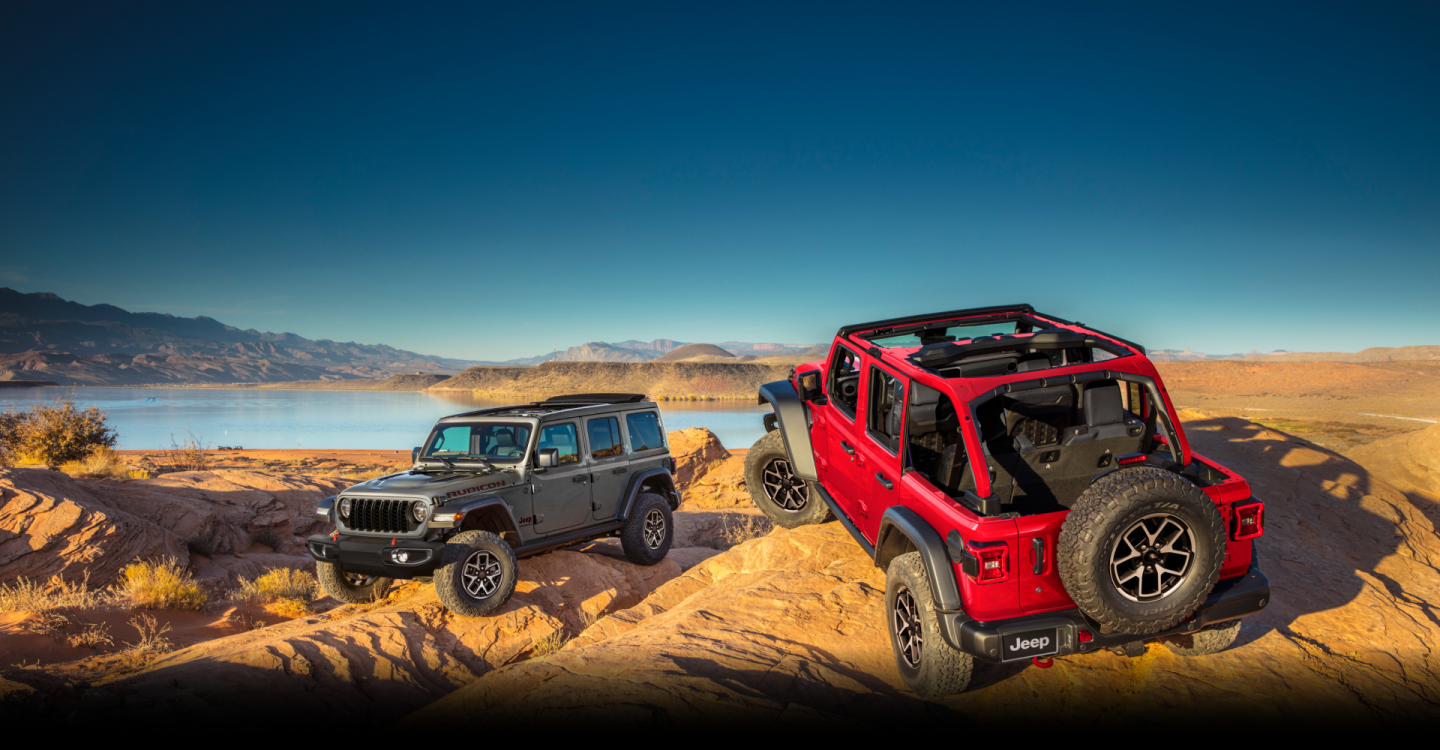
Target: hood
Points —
{"points": [[434, 485]]}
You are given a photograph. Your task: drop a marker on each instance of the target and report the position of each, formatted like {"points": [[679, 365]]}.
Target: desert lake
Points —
{"points": [[147, 418]]}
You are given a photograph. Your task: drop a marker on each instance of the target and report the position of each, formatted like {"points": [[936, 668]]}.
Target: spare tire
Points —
{"points": [[1140, 550]]}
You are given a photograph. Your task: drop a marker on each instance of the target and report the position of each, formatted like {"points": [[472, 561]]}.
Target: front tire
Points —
{"points": [[785, 498], [927, 662], [478, 575], [350, 588], [648, 531], [1211, 640]]}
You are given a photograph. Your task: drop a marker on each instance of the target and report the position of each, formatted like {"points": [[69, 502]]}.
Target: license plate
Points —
{"points": [[1030, 643]]}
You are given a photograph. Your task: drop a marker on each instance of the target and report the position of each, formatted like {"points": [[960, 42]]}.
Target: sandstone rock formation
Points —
{"points": [[721, 487], [696, 451], [1411, 461], [790, 627], [51, 524]]}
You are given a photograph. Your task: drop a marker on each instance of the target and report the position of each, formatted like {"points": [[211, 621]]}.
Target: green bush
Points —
{"points": [[53, 434]]}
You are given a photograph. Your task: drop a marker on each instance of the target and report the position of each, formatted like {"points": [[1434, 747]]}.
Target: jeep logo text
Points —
{"points": [[1030, 643]]}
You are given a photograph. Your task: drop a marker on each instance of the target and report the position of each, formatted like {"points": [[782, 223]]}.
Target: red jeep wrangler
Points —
{"points": [[1025, 484]]}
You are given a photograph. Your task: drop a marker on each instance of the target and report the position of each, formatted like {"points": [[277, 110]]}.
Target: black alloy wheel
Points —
{"points": [[783, 487]]}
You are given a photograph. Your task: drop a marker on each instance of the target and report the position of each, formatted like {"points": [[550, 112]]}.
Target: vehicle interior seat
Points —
{"points": [[1105, 416]]}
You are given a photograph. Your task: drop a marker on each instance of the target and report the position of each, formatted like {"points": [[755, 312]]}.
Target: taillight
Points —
{"points": [[992, 561], [1248, 522]]}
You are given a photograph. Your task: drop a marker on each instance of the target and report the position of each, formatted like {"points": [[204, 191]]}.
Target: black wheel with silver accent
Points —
{"points": [[351, 588], [1141, 549], [927, 662], [788, 500], [478, 573], [648, 530]]}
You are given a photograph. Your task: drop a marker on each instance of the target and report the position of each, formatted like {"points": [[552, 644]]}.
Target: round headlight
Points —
{"points": [[345, 507], [420, 510]]}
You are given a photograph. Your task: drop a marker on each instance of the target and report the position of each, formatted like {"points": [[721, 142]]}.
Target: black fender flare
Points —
{"points": [[651, 476], [794, 424], [901, 523], [490, 507]]}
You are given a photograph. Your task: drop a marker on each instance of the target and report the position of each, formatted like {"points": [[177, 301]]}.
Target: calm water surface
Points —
{"points": [[147, 417]]}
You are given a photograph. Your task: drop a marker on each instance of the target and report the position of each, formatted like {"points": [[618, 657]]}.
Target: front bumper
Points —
{"points": [[376, 555], [1231, 599]]}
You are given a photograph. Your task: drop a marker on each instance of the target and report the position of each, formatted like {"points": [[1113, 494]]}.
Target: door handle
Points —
{"points": [[848, 448], [1037, 545], [886, 483], [620, 470], [582, 479]]}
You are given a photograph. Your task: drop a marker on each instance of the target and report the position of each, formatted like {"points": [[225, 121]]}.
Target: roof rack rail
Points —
{"points": [[595, 398]]}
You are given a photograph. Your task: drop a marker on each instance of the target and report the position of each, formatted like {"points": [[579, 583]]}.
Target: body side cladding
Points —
{"points": [[794, 426], [901, 524], [657, 478]]}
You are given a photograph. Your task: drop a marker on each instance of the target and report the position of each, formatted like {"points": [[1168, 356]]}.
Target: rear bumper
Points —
{"points": [[376, 556], [1231, 599]]}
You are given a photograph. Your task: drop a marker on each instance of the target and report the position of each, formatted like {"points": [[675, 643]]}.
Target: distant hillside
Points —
{"points": [[1373, 354], [154, 369], [45, 323], [660, 380], [694, 350]]}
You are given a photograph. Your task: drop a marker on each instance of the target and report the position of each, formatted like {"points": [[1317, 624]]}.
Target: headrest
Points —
{"points": [[1102, 403], [1033, 361], [504, 440]]}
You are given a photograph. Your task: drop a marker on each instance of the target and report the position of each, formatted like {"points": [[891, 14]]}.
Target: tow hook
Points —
{"points": [[1045, 663]]}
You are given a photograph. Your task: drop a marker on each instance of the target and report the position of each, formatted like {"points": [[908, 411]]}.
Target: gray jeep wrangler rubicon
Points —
{"points": [[495, 485]]}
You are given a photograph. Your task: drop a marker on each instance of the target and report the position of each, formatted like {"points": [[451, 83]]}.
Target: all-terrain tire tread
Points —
{"points": [[943, 670], [1110, 497], [1211, 640], [332, 580], [632, 535], [455, 553], [770, 446]]}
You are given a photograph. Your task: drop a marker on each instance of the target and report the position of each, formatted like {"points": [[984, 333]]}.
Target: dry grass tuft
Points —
{"points": [[92, 636], [288, 591], [162, 584], [48, 623], [201, 544], [268, 537], [191, 453], [550, 643], [152, 643], [753, 527], [102, 463], [25, 595]]}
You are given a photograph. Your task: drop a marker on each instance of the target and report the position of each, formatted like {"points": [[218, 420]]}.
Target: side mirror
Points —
{"points": [[547, 457], [810, 389], [414, 455]]}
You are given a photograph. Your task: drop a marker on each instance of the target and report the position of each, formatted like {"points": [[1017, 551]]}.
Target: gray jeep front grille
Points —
{"points": [[388, 516]]}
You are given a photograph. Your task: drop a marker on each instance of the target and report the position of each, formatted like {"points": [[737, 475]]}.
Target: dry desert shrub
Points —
{"points": [[92, 636], [162, 584], [200, 544], [152, 641], [48, 623], [53, 434], [25, 595], [753, 527], [268, 537], [191, 453], [288, 591], [102, 463]]}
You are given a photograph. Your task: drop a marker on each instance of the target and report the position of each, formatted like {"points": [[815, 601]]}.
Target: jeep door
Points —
{"points": [[836, 424], [562, 499], [609, 465], [878, 454]]}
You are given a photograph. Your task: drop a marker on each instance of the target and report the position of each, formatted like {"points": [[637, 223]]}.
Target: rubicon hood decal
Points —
{"points": [[473, 490]]}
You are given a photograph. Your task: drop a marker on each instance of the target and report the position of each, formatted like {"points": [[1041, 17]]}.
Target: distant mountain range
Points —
{"points": [[1185, 355], [45, 337]]}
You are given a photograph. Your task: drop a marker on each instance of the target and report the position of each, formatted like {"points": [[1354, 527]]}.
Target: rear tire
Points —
{"points": [[478, 575], [1212, 639], [648, 531], [785, 498], [927, 662], [351, 588]]}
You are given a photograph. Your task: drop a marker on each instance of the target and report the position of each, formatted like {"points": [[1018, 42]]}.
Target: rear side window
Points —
{"points": [[563, 438], [644, 430], [887, 404], [604, 436], [844, 380]]}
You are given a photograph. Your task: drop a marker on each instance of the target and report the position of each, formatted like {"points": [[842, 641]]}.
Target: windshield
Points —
{"points": [[497, 442]]}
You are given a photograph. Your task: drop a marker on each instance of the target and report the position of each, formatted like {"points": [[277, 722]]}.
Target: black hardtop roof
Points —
{"points": [[582, 403], [998, 312]]}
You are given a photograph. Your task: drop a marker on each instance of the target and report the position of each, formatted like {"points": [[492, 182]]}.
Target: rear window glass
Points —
{"points": [[644, 430]]}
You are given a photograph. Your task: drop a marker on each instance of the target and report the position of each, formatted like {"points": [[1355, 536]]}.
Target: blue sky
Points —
{"points": [[486, 181]]}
